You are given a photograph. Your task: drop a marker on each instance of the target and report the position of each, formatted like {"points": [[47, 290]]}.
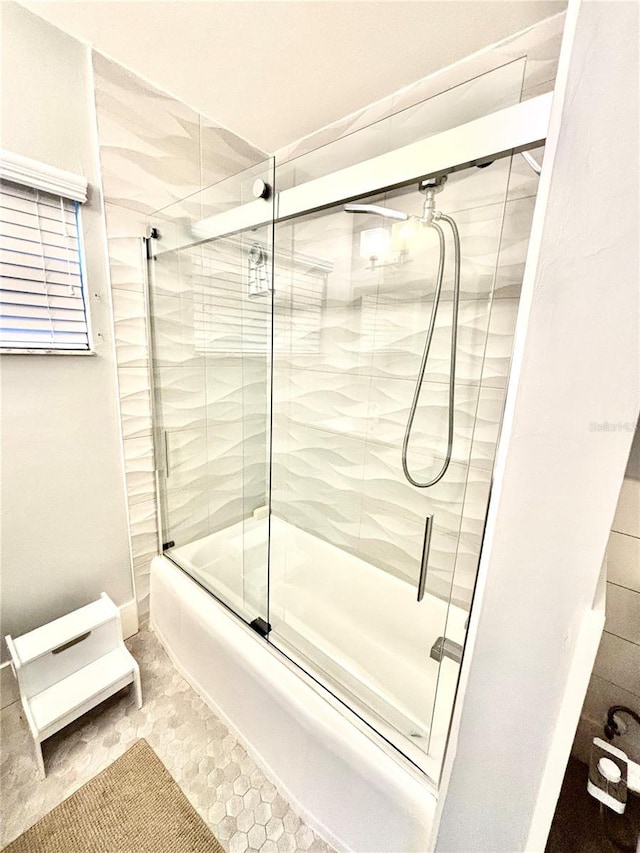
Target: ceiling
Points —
{"points": [[276, 70]]}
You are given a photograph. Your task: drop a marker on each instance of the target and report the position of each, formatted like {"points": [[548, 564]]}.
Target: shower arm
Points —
{"points": [[427, 348]]}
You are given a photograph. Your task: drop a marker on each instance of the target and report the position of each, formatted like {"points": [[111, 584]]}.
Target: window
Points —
{"points": [[42, 293]]}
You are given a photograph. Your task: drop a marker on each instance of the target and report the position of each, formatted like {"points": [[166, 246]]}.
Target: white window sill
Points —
{"points": [[4, 351]]}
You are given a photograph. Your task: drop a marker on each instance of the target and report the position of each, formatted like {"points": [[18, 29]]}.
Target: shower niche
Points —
{"points": [[330, 364]]}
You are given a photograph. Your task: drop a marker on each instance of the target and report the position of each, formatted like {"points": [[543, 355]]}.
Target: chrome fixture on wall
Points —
{"points": [[261, 189], [259, 280], [531, 160], [430, 218], [387, 212], [446, 648]]}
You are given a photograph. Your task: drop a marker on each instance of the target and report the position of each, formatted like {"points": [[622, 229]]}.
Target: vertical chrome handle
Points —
{"points": [[422, 580], [167, 465]]}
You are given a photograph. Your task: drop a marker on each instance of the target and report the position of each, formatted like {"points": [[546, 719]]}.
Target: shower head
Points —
{"points": [[379, 211]]}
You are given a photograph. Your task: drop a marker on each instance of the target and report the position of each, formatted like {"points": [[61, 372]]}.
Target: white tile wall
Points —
{"points": [[348, 387], [618, 662], [130, 327], [343, 385], [623, 560], [627, 517], [139, 468], [135, 401], [155, 150], [623, 613], [616, 674]]}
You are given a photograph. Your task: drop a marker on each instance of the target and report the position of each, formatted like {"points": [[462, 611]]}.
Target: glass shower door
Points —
{"points": [[352, 541], [210, 295], [285, 359]]}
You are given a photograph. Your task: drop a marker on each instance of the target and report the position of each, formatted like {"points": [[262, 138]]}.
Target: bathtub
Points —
{"points": [[347, 781]]}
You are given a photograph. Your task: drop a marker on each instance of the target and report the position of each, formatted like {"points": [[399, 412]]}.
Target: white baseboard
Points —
{"points": [[129, 618], [9, 692]]}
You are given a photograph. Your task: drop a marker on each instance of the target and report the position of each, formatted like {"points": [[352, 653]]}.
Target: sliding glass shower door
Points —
{"points": [[210, 309], [287, 351], [353, 542]]}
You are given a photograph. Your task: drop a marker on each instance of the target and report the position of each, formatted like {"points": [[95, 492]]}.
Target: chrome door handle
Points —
{"points": [[422, 580]]}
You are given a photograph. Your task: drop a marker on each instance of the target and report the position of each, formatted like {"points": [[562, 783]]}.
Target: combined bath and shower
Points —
{"points": [[430, 218]]}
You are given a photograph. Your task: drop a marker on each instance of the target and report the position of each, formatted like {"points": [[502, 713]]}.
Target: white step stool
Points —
{"points": [[67, 667]]}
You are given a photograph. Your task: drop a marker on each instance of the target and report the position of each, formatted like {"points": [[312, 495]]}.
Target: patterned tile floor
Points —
{"points": [[244, 810]]}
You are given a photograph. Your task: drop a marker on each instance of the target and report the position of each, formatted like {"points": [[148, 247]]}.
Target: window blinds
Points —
{"points": [[42, 299], [225, 320]]}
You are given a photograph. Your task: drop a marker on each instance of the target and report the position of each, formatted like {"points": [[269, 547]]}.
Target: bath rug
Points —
{"points": [[133, 806]]}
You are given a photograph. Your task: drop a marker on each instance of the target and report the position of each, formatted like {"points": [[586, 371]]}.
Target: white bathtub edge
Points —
{"points": [[323, 831], [357, 782]]}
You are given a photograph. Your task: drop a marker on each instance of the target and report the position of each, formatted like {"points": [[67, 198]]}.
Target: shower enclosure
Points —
{"points": [[329, 379]]}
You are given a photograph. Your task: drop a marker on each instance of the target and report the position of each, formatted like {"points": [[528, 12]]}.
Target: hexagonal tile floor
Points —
{"points": [[243, 808]]}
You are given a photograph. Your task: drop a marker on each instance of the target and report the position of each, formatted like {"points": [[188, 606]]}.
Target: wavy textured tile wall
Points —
{"points": [[154, 151], [211, 367], [342, 397], [346, 339]]}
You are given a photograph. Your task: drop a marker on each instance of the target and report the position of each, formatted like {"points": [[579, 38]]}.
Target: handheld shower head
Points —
{"points": [[379, 211]]}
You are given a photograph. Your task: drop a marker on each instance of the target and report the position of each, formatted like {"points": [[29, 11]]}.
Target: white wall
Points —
{"points": [[557, 478], [64, 522]]}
